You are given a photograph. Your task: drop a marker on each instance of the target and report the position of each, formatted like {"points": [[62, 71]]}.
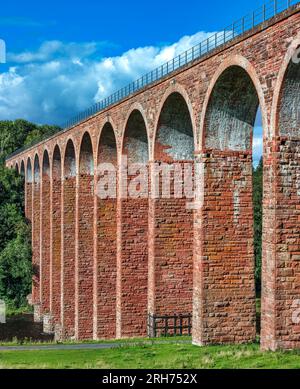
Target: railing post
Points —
{"points": [[275, 7], [264, 12]]}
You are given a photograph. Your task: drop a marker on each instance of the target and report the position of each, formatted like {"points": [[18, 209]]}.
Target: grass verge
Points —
{"points": [[169, 356]]}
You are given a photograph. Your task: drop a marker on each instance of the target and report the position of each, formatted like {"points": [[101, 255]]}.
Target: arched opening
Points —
{"points": [[281, 244], [84, 327], [17, 169], [172, 224], [29, 171], [45, 233], [36, 230], [56, 212], [69, 248], [132, 309], [106, 208], [22, 172], [28, 191], [227, 247]]}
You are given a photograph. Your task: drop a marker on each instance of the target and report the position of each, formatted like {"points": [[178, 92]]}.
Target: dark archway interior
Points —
{"points": [[29, 172], [36, 170], [22, 172], [107, 150], [56, 164], [70, 161], [86, 162], [175, 140], [135, 145], [231, 112], [289, 105], [46, 164]]}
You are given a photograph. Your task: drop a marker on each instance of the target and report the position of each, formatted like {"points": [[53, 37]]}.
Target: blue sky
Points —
{"points": [[66, 55]]}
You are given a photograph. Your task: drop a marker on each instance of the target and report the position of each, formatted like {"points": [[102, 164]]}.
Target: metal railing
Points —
{"points": [[236, 29], [169, 325]]}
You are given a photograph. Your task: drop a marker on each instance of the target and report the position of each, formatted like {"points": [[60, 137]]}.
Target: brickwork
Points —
{"points": [[227, 267], [106, 243], [56, 263], [69, 244], [138, 253], [36, 243], [45, 236]]}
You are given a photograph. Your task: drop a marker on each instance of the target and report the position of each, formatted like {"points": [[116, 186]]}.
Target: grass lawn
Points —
{"points": [[153, 356]]}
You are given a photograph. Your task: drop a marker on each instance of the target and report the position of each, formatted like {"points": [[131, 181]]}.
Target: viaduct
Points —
{"points": [[102, 266]]}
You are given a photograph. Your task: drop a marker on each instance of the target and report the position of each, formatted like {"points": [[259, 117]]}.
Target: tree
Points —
{"points": [[16, 268], [15, 246]]}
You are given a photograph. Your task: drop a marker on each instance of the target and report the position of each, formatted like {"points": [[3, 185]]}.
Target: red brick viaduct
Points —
{"points": [[101, 266]]}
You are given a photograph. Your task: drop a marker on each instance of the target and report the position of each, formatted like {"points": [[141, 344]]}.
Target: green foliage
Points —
{"points": [[16, 268], [16, 134], [15, 246], [257, 205]]}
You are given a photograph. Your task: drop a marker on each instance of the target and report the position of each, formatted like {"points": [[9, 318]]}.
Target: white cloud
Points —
{"points": [[58, 80]]}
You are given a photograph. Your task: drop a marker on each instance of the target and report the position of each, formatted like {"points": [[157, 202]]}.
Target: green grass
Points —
{"points": [[11, 310], [180, 356]]}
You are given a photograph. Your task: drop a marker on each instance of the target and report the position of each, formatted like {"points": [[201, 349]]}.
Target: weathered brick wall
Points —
{"points": [[36, 242], [134, 268], [56, 265], [84, 287], [222, 275], [45, 240], [227, 267], [106, 240], [68, 265], [281, 270]]}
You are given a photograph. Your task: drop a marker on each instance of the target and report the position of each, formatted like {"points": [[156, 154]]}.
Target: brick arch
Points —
{"points": [[171, 223], [45, 231], [287, 88], [225, 246], [36, 169], [137, 112], [17, 168], [180, 90], [69, 158], [56, 237], [243, 63], [22, 170], [281, 266], [69, 172], [84, 264], [46, 165], [29, 175], [56, 162], [36, 236], [86, 154], [231, 112], [106, 226], [108, 123], [133, 233]]}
